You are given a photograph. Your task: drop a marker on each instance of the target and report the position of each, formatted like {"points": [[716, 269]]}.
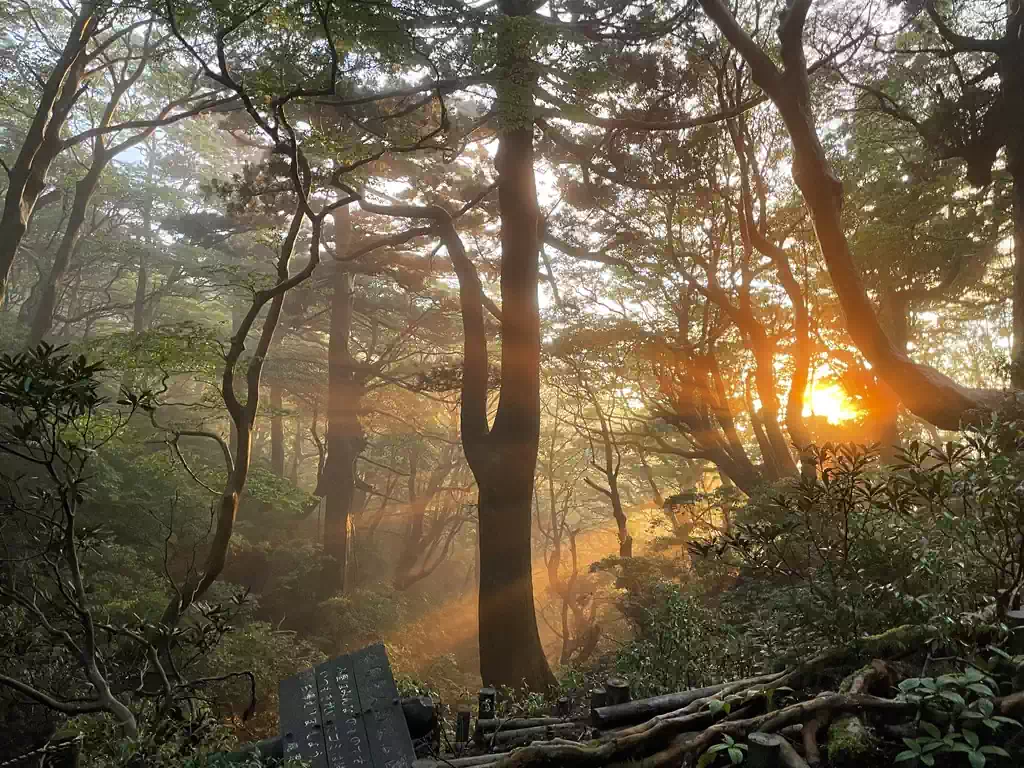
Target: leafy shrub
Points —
{"points": [[957, 713], [678, 640], [935, 539]]}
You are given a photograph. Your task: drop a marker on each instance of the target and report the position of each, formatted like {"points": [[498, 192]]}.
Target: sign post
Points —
{"points": [[346, 713]]}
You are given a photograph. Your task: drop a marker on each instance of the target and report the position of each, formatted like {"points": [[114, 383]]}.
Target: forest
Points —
{"points": [[555, 344]]}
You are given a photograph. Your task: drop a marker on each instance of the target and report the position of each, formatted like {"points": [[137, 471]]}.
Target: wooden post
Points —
{"points": [[618, 690], [598, 698], [462, 725], [487, 707], [563, 706]]}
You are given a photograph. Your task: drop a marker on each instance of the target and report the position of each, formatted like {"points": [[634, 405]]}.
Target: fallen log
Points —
{"points": [[458, 762], [529, 734], [515, 723], [638, 744], [644, 709]]}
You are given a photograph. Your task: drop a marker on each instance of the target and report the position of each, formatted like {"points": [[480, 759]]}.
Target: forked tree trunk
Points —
{"points": [[503, 457], [510, 650]]}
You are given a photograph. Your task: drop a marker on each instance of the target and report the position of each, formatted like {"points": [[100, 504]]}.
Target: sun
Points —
{"points": [[832, 402]]}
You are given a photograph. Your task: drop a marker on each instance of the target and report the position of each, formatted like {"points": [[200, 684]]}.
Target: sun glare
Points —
{"points": [[831, 401]]}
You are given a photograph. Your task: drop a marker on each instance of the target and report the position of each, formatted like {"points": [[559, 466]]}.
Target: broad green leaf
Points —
{"points": [[993, 750]]}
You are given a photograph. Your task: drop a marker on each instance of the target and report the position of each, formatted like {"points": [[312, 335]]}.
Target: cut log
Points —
{"points": [[563, 706], [530, 734], [462, 718], [598, 699], [515, 723], [618, 690], [487, 700], [458, 762], [638, 711]]}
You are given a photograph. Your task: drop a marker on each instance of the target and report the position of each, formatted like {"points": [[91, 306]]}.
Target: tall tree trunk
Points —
{"points": [[139, 314], [510, 649], [1016, 158], [293, 471], [276, 430], [503, 458], [42, 320], [1011, 74], [238, 457], [344, 432], [27, 176]]}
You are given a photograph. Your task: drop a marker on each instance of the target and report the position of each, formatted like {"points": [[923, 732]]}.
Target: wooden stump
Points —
{"points": [[618, 690], [563, 706], [488, 706], [462, 718]]}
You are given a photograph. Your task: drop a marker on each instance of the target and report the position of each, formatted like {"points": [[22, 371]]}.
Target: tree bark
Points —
{"points": [[293, 471], [503, 457], [139, 314], [27, 177], [1016, 163], [511, 653], [1011, 86], [276, 430], [42, 319], [344, 432]]}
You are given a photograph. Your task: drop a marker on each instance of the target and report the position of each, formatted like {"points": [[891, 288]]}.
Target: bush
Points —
{"points": [[678, 639], [935, 539]]}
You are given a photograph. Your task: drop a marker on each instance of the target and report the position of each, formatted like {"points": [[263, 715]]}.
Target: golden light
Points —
{"points": [[832, 402]]}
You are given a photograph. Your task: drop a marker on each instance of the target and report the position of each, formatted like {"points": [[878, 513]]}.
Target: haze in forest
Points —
{"points": [[678, 342]]}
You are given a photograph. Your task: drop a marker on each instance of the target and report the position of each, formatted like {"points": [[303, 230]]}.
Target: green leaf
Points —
{"points": [[736, 755], [971, 738], [706, 759], [954, 697], [914, 745], [992, 750], [931, 729], [976, 759], [928, 759], [905, 755], [981, 689]]}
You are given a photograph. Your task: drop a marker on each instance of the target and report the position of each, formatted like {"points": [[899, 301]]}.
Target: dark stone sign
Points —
{"points": [[345, 713]]}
